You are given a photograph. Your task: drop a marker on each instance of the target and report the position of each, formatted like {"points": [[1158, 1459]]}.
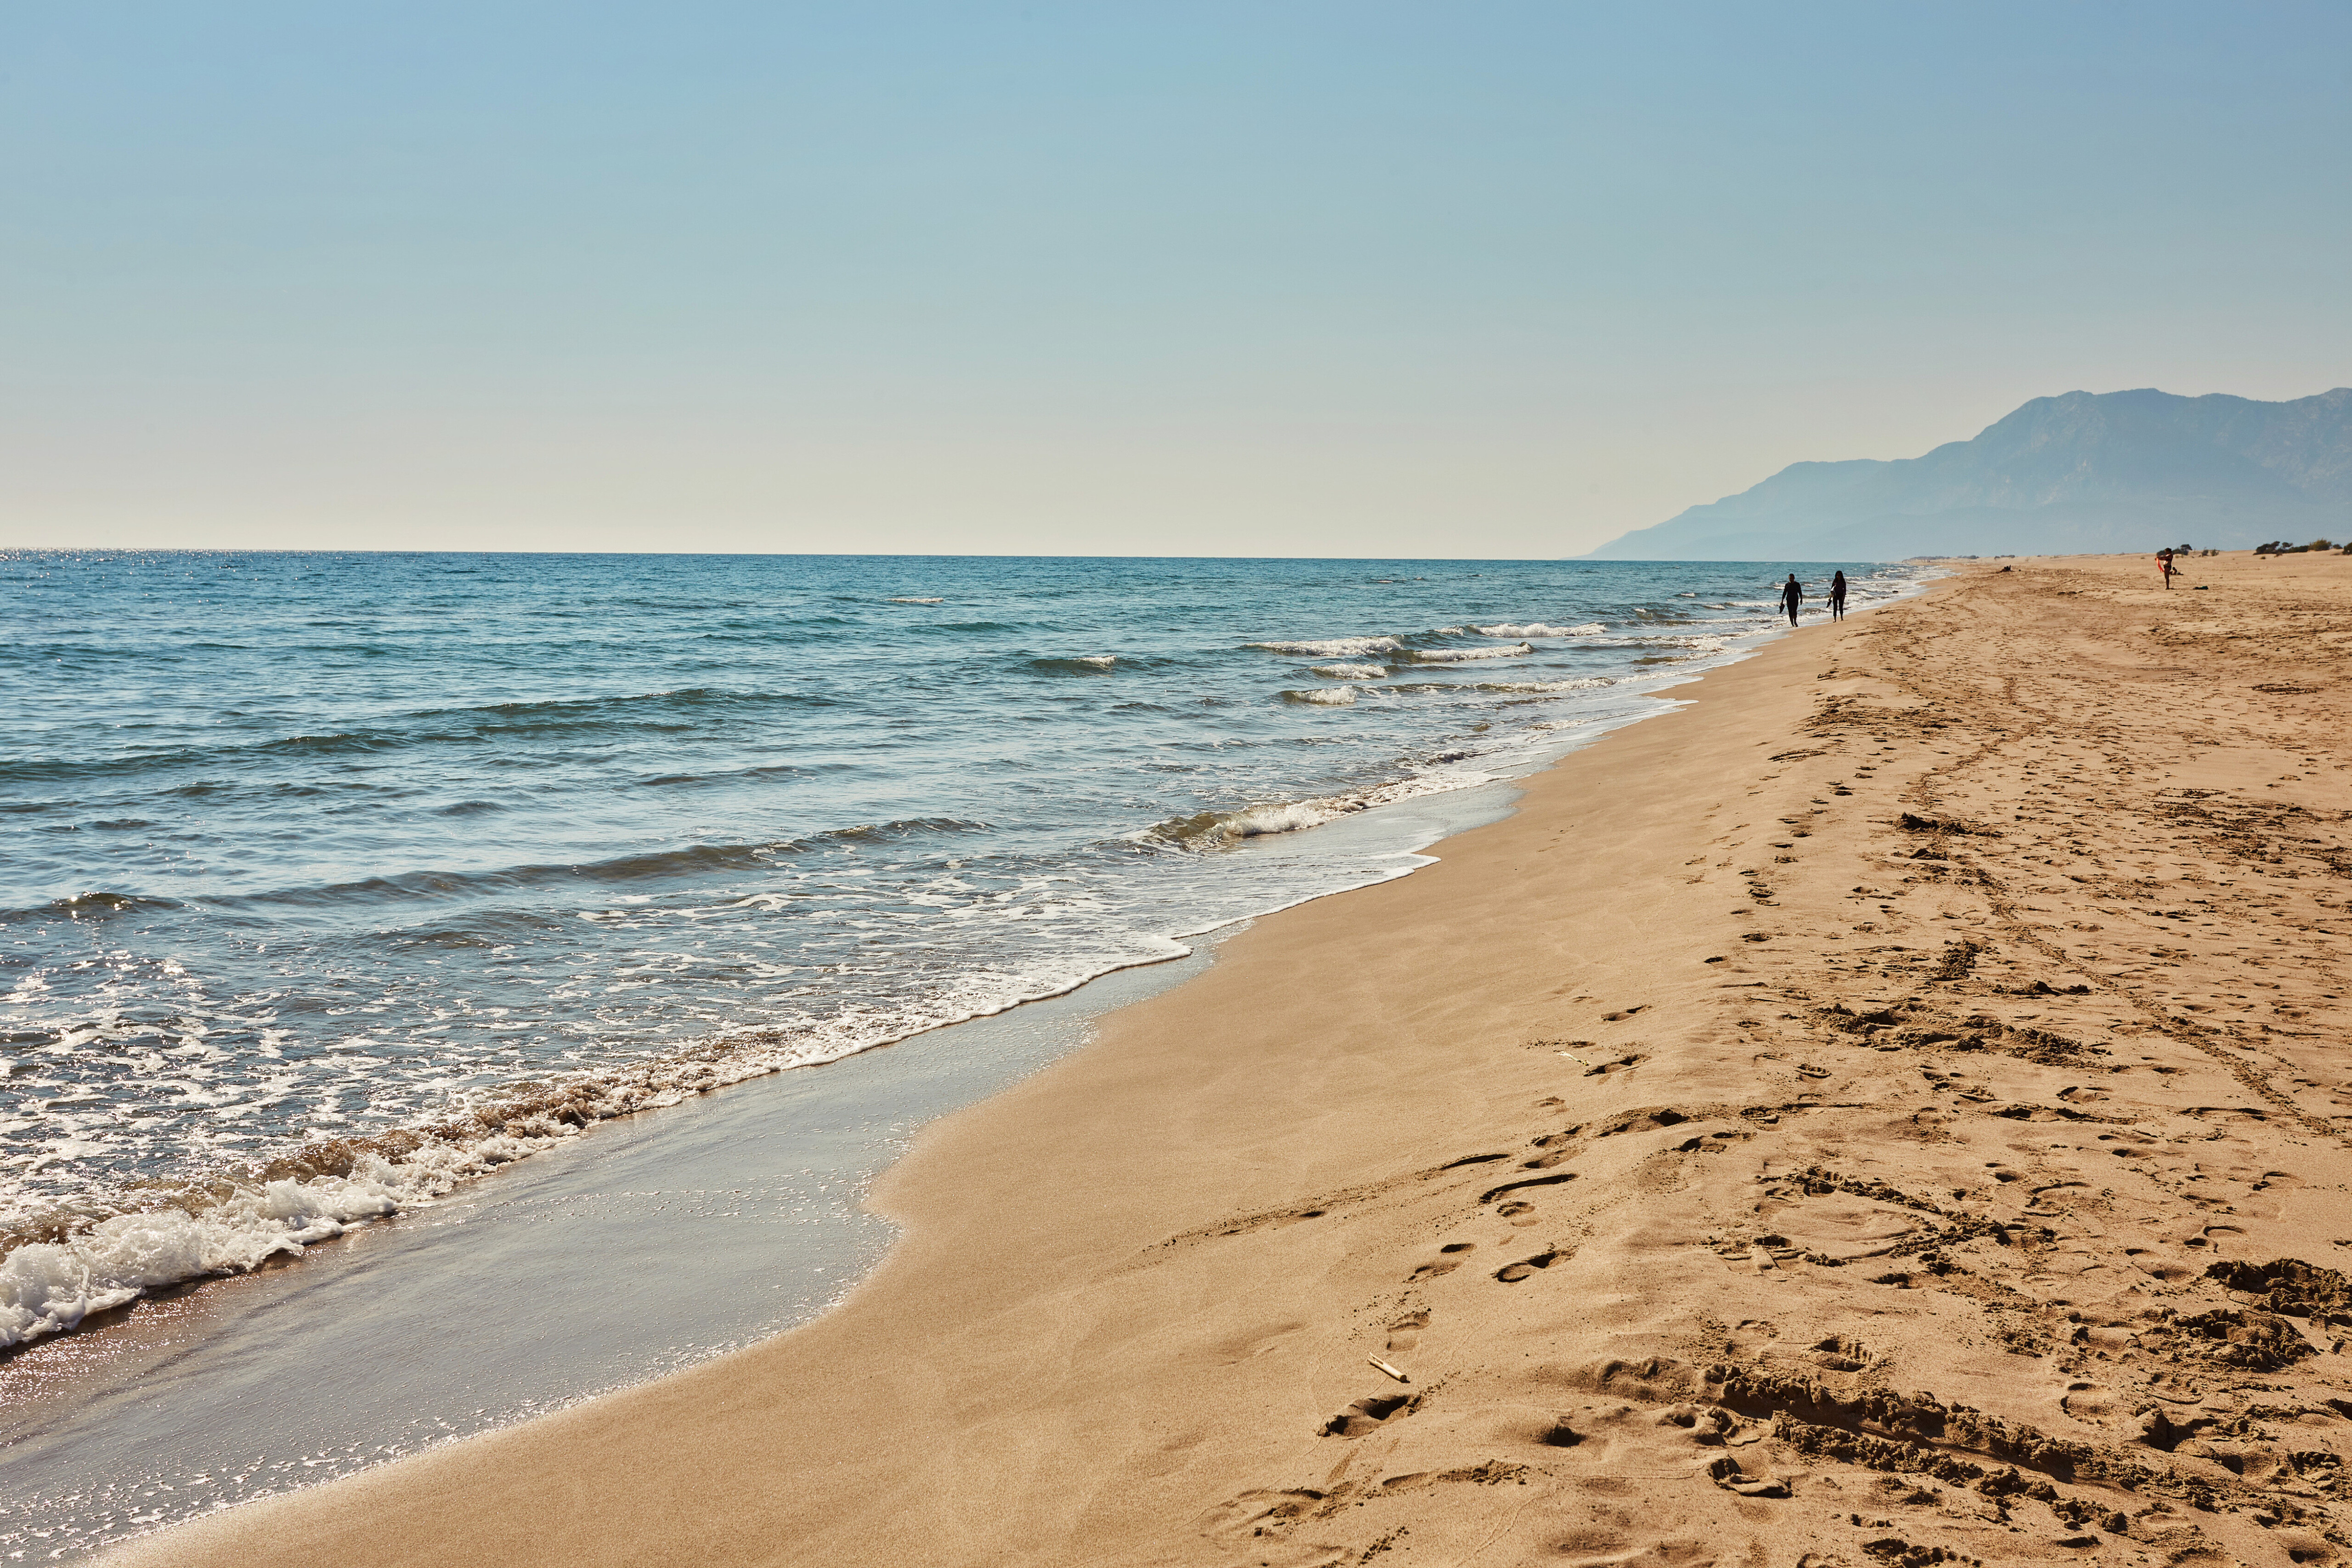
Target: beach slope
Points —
{"points": [[1892, 1109]]}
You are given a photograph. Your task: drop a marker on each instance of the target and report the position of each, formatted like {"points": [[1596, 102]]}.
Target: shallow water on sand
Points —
{"points": [[656, 1243]]}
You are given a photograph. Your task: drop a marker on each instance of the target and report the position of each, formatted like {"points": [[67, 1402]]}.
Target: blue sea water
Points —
{"points": [[313, 850]]}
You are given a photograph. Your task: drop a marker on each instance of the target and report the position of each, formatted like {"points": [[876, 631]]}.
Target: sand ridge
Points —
{"points": [[1891, 1111]]}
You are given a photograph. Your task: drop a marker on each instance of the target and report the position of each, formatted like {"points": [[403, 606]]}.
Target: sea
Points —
{"points": [[332, 884]]}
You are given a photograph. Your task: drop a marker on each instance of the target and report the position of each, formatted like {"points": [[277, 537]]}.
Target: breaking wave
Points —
{"points": [[1465, 655], [1537, 629], [59, 1267], [1332, 647], [1223, 829]]}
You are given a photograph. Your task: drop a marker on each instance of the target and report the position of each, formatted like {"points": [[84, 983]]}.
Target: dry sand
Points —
{"points": [[1807, 1132]]}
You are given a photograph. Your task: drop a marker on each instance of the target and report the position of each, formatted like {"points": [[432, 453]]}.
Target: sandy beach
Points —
{"points": [[1888, 1110]]}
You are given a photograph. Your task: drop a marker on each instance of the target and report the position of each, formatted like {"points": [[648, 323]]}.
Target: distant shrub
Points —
{"points": [[2319, 544]]}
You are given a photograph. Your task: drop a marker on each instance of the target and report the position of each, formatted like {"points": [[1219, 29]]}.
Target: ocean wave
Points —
{"points": [[90, 906], [1332, 647], [1465, 655], [671, 710], [49, 1286], [915, 601], [57, 1270], [1584, 683], [59, 1267], [1537, 629], [1352, 672], [1588, 683], [1082, 664], [1323, 696], [430, 887], [1223, 829]]}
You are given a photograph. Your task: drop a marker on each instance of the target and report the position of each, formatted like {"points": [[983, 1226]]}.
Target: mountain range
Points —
{"points": [[2083, 471]]}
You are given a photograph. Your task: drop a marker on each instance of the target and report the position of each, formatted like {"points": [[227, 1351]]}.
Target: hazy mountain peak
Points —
{"points": [[2077, 471]]}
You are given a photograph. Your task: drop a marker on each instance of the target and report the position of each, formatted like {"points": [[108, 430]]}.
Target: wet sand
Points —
{"points": [[1892, 1109]]}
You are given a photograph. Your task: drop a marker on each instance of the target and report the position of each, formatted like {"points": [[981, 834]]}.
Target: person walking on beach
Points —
{"points": [[1837, 595], [2164, 565], [1792, 595]]}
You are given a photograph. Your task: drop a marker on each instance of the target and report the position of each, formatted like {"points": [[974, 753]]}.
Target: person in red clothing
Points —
{"points": [[2164, 565]]}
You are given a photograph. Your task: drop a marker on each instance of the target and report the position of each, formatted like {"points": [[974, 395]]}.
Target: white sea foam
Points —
{"points": [[1331, 648], [48, 1286], [913, 601], [1588, 684], [1259, 821], [1327, 696], [1215, 829], [1465, 655], [1538, 629], [1100, 660], [1352, 672]]}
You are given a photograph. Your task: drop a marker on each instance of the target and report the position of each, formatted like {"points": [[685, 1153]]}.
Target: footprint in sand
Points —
{"points": [[2214, 1238], [1449, 1260], [1405, 1332], [1370, 1415]]}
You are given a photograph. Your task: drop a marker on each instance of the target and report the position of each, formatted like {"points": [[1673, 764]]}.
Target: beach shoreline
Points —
{"points": [[741, 1213], [1588, 1131], [779, 894]]}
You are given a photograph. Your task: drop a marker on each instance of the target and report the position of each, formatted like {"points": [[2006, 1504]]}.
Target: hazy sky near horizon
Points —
{"points": [[1269, 278]]}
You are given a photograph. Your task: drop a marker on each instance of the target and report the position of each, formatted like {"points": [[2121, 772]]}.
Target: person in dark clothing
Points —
{"points": [[1791, 595], [1837, 596]]}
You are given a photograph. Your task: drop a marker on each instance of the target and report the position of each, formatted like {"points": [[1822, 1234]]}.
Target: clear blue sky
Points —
{"points": [[1332, 278]]}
